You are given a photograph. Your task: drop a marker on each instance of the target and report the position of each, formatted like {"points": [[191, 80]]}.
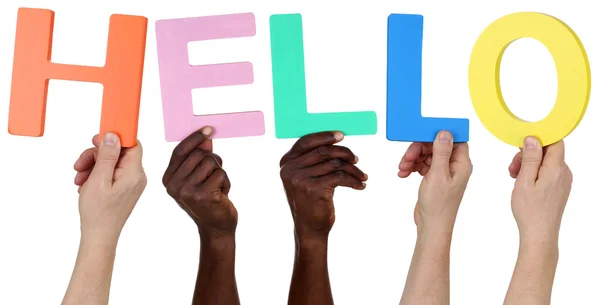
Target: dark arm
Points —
{"points": [[310, 280], [215, 284]]}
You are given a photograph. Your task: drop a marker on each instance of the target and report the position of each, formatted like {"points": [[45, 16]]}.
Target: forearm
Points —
{"points": [[310, 279], [90, 282], [533, 276], [216, 284], [428, 280]]}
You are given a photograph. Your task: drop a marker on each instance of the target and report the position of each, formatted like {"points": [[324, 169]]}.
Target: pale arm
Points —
{"points": [[90, 282], [428, 281], [533, 276]]}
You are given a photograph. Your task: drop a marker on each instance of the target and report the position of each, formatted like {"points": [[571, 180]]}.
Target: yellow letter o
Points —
{"points": [[572, 69]]}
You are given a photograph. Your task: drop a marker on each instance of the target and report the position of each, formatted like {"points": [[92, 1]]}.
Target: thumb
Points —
{"points": [[442, 150], [108, 156], [531, 160]]}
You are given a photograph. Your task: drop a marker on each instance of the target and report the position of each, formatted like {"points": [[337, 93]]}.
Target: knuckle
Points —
{"points": [[345, 150], [187, 194], [297, 181], [341, 175], [336, 163], [348, 152], [179, 152], [567, 172], [570, 177], [282, 162], [531, 158], [302, 146], [222, 174], [210, 161], [443, 152], [198, 197], [323, 152], [304, 142], [197, 155], [470, 168], [218, 158], [172, 190], [313, 189], [284, 174], [143, 179], [107, 157], [214, 196], [556, 175], [138, 177]]}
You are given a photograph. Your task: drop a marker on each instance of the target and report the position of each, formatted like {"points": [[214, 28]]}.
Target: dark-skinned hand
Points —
{"points": [[196, 180], [310, 172]]}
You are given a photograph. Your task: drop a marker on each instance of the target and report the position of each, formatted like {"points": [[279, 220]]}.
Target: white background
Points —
{"points": [[372, 241]]}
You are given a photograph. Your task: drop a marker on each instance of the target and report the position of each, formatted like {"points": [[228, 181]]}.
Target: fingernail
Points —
{"points": [[355, 159], [207, 131], [445, 137], [338, 135], [366, 176], [530, 143], [110, 139]]}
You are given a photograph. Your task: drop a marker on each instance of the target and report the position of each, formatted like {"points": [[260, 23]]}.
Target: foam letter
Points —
{"points": [[292, 119], [178, 77], [121, 75], [404, 120], [572, 69]]}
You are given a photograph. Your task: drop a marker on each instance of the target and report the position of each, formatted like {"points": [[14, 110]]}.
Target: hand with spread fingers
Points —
{"points": [[311, 171], [111, 181], [542, 187], [446, 169], [197, 182]]}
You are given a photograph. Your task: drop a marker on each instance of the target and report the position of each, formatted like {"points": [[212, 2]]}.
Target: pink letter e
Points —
{"points": [[178, 77]]}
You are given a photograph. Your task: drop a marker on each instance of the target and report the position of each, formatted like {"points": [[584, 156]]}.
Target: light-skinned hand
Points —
{"points": [[542, 188], [446, 169], [110, 180]]}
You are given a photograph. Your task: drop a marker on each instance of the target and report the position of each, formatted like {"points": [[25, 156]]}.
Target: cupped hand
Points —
{"points": [[196, 180], [110, 180], [542, 188], [446, 169], [310, 172]]}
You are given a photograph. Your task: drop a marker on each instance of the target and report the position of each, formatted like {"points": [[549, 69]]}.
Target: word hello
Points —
{"points": [[122, 79]]}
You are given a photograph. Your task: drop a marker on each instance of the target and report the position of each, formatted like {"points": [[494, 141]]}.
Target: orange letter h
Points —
{"points": [[121, 75]]}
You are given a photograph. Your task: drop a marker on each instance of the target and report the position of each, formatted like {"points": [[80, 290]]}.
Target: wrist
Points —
{"points": [[435, 233], [304, 233], [538, 238], [311, 243], [93, 252], [222, 242], [538, 249], [443, 225], [434, 241], [99, 239], [311, 250]]}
